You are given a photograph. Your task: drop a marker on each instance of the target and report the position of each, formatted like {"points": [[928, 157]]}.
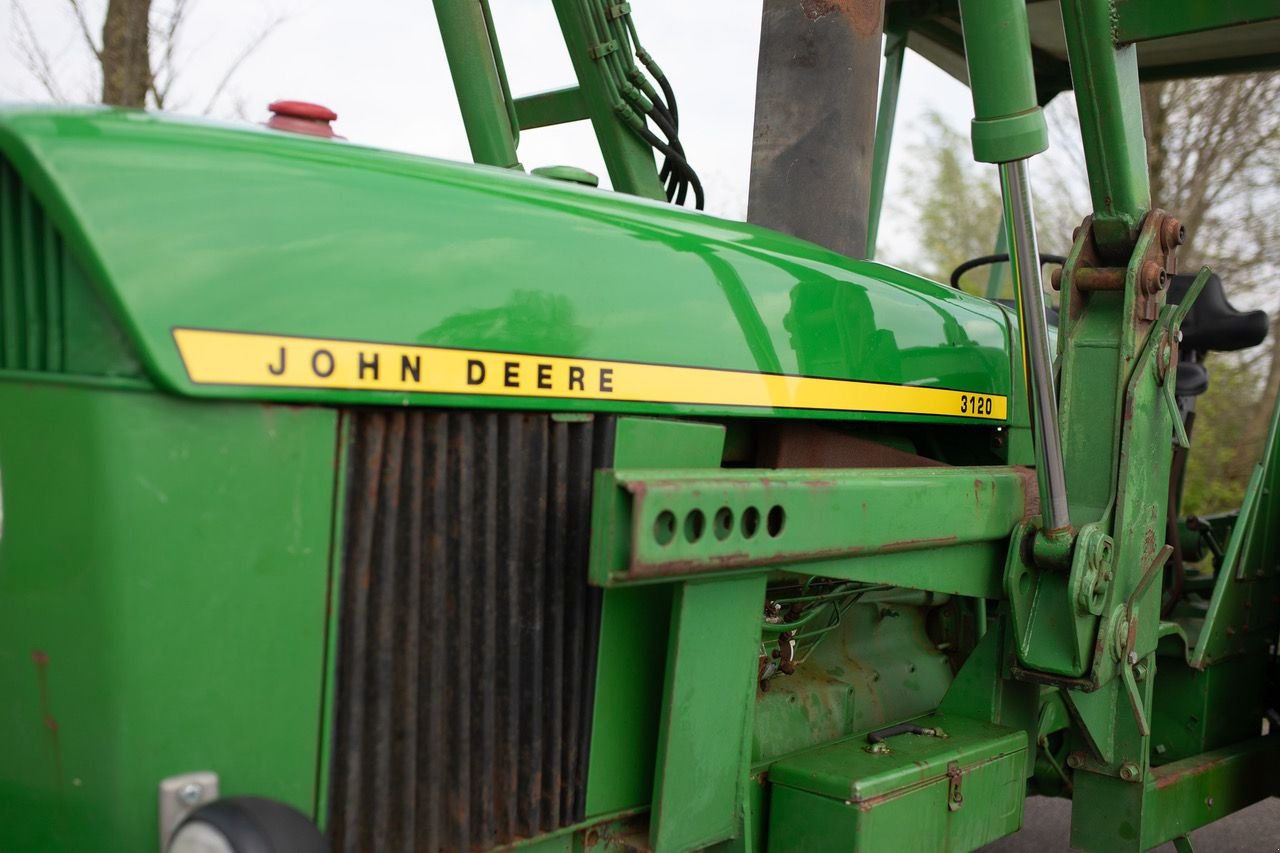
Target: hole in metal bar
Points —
{"points": [[723, 525], [664, 527], [694, 524], [776, 521]]}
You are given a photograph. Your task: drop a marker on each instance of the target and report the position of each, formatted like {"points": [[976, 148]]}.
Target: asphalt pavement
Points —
{"points": [[1046, 828]]}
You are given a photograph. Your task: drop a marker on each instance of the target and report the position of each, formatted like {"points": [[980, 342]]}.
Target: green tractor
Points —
{"points": [[359, 501]]}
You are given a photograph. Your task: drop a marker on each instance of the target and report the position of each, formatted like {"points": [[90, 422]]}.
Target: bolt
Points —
{"points": [[1172, 234], [1055, 279], [1139, 672], [191, 793], [1208, 801], [1075, 760], [1161, 749], [1152, 278], [1129, 771]]}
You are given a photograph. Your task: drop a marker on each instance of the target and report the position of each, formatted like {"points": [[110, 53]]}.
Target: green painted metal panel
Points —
{"points": [[982, 689], [1195, 711], [923, 793], [1143, 20], [53, 318], [163, 572], [254, 231], [634, 629], [703, 757], [1188, 794]]}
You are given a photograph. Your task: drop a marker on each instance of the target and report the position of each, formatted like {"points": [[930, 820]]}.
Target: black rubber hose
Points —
{"points": [[678, 186], [983, 260], [679, 164], [670, 95]]}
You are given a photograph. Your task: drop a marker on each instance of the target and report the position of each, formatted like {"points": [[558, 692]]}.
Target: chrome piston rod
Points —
{"points": [[1037, 360]]}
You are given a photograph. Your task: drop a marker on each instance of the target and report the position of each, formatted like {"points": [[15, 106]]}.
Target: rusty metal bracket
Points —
{"points": [[659, 525]]}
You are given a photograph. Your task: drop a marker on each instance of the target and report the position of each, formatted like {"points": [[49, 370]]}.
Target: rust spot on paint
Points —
{"points": [[41, 660], [864, 15], [1171, 774]]}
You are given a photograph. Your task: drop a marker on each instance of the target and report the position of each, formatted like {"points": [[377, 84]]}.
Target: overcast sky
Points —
{"points": [[380, 65]]}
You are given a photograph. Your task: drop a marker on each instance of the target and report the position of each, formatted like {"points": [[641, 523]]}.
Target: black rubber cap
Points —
{"points": [[260, 825]]}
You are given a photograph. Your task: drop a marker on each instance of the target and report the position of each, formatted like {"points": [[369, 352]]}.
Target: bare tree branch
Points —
{"points": [[77, 11], [248, 51], [34, 57], [165, 71]]}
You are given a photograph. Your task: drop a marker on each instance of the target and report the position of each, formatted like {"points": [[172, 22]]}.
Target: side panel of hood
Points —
{"points": [[230, 253]]}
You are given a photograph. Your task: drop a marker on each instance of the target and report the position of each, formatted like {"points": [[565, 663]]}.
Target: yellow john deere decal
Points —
{"points": [[238, 358]]}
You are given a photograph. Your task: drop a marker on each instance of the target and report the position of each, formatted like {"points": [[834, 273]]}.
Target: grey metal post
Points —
{"points": [[816, 90]]}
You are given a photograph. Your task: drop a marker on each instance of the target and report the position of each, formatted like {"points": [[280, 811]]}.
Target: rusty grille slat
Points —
{"points": [[468, 634]]}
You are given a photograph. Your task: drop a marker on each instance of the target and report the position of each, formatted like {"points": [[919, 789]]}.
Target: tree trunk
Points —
{"points": [[126, 56], [1156, 115]]}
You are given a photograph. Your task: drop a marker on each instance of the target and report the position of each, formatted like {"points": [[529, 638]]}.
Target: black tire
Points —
{"points": [[250, 825]]}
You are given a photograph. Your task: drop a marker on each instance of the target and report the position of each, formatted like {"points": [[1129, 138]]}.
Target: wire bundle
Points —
{"points": [[636, 99]]}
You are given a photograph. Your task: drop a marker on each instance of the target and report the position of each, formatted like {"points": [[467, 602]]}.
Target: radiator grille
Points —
{"points": [[468, 634], [32, 260]]}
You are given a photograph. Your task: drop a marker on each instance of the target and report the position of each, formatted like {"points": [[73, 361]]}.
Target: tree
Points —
{"points": [[956, 203], [138, 55], [125, 54], [1213, 149]]}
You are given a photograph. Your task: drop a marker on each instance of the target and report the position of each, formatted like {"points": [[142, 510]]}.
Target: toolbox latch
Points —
{"points": [[955, 798]]}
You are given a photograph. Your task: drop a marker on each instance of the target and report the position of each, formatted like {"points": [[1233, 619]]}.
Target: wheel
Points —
{"points": [[247, 825]]}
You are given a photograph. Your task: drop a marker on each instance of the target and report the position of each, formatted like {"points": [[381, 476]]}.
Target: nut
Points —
{"points": [[1153, 278], [1075, 760], [1129, 772], [1172, 234]]}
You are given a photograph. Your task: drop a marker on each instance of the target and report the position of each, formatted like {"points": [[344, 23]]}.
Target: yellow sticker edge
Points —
{"points": [[213, 357]]}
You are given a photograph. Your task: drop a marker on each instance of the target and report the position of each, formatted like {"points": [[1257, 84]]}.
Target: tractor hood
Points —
{"points": [[247, 263]]}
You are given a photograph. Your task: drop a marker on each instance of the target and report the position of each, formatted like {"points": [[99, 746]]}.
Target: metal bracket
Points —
{"points": [[603, 49], [181, 795], [955, 798], [661, 525], [1039, 598]]}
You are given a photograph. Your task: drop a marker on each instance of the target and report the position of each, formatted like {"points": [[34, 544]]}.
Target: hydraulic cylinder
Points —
{"points": [[1008, 128]]}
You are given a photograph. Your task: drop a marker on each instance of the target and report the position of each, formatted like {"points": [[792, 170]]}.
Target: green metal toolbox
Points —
{"points": [[957, 789]]}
